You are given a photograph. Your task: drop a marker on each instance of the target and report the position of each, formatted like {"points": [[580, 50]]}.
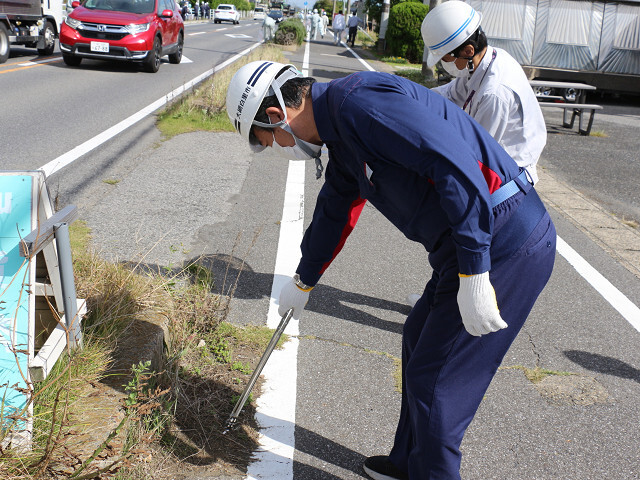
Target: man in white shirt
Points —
{"points": [[352, 23], [489, 85], [338, 27]]}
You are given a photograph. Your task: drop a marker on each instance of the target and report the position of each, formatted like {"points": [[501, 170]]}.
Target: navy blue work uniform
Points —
{"points": [[444, 182]]}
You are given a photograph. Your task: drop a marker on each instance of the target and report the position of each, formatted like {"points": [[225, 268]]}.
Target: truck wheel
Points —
{"points": [[4, 43], [151, 64], [49, 39], [71, 60], [176, 57]]}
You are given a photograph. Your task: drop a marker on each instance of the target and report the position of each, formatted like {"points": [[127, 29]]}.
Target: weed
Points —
{"points": [[598, 133], [242, 368], [537, 374], [111, 181]]}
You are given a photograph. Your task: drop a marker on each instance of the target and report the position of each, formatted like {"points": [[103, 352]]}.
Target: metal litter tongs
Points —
{"points": [[233, 418]]}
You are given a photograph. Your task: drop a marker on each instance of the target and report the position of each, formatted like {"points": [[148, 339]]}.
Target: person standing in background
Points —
{"points": [[338, 27]]}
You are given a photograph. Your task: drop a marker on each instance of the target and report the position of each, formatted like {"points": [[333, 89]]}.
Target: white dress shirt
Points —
{"points": [[498, 96]]}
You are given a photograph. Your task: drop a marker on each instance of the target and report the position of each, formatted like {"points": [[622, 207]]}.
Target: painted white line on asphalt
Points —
{"points": [[611, 294], [367, 66], [276, 407], [29, 64], [186, 60], [196, 33], [65, 159]]}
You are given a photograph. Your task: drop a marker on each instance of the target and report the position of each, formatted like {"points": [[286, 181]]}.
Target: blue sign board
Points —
{"points": [[16, 217]]}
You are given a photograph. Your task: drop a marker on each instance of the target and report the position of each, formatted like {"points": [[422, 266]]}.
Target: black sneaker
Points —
{"points": [[381, 468]]}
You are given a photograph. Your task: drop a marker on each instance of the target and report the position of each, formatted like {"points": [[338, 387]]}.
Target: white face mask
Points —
{"points": [[302, 150], [453, 70]]}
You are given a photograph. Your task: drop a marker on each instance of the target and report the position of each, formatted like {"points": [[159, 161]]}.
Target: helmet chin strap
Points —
{"points": [[274, 89]]}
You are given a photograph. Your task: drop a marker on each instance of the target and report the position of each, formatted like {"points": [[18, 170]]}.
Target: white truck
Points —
{"points": [[32, 23]]}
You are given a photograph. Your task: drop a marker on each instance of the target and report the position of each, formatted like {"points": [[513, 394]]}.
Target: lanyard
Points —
{"points": [[473, 92]]}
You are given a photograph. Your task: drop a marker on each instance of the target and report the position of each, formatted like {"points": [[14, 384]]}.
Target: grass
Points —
{"points": [[204, 109], [598, 133], [537, 374], [168, 415]]}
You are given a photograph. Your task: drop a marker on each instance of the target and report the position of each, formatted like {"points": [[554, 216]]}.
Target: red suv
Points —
{"points": [[131, 30]]}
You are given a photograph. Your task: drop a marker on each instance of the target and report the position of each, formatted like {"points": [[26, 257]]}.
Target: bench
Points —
{"points": [[577, 110]]}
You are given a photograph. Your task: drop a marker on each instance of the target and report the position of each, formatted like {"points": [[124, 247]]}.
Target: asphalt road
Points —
{"points": [[206, 196]]}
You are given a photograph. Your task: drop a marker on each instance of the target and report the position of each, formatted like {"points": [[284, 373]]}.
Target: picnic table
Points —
{"points": [[571, 91]]}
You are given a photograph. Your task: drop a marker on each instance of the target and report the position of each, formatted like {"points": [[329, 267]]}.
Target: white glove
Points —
{"points": [[478, 306], [294, 295]]}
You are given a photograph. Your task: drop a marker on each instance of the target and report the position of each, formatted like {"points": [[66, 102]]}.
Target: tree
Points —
{"points": [[374, 8]]}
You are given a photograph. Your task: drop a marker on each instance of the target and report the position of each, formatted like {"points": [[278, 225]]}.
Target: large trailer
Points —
{"points": [[32, 23], [593, 41]]}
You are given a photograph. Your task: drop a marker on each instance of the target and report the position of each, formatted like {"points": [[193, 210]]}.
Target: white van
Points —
{"points": [[258, 13]]}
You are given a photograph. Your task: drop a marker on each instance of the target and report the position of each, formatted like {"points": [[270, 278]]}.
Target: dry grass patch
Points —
{"points": [[204, 109]]}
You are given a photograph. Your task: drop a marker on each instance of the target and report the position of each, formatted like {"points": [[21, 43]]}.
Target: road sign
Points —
{"points": [[35, 262], [17, 220]]}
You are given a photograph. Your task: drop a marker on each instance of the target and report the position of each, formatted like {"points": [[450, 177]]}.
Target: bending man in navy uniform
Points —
{"points": [[443, 181]]}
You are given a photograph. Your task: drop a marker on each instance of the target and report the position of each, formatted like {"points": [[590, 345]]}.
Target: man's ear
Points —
{"points": [[468, 51], [275, 114]]}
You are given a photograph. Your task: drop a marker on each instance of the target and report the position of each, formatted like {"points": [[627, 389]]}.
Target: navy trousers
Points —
{"points": [[446, 371]]}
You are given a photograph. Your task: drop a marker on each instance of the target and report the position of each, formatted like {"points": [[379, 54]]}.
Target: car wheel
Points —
{"points": [[71, 60], [152, 62], [4, 43], [49, 39], [176, 57]]}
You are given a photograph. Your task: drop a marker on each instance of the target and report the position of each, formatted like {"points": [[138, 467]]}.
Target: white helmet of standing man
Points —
{"points": [[248, 88], [446, 27]]}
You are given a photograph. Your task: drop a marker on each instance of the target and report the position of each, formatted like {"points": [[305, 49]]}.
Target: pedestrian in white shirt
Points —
{"points": [[352, 24], [338, 27], [324, 23], [315, 24], [489, 84]]}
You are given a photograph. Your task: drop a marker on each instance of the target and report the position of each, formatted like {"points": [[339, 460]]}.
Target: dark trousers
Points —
{"points": [[353, 31], [446, 371]]}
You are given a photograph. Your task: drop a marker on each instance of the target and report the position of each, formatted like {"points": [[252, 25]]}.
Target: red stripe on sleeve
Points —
{"points": [[494, 182], [354, 214]]}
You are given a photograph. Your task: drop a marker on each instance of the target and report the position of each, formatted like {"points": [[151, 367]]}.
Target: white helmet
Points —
{"points": [[248, 87], [446, 27]]}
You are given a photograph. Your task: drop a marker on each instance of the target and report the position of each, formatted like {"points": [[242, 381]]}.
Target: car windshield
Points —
{"points": [[275, 14], [224, 7], [129, 6]]}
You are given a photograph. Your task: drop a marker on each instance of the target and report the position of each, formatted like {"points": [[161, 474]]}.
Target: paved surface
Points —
{"points": [[206, 194]]}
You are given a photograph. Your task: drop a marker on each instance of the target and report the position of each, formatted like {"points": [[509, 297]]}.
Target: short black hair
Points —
{"points": [[478, 40], [293, 91]]}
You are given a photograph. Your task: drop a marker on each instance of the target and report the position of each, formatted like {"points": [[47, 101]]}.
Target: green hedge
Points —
{"points": [[290, 31], [403, 33]]}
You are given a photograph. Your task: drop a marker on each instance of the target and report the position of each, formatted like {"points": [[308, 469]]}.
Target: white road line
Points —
{"points": [[65, 159], [276, 407], [196, 33], [611, 294], [29, 64]]}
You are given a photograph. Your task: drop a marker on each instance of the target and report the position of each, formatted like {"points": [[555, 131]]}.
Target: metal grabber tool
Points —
{"points": [[233, 418]]}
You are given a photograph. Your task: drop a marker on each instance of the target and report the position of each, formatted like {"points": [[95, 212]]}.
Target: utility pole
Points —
{"points": [[384, 21], [429, 73]]}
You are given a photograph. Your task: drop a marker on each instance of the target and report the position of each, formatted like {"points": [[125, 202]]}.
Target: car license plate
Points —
{"points": [[100, 47]]}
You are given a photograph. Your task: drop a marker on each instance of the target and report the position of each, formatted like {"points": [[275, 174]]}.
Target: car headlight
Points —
{"points": [[72, 22], [137, 28]]}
